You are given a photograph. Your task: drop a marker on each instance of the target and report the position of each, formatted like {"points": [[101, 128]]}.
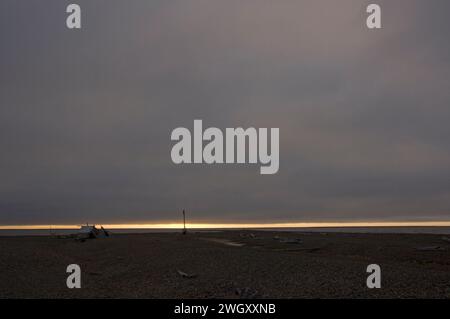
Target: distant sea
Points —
{"points": [[373, 230]]}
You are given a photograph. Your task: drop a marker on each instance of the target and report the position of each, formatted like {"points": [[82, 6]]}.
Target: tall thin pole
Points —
{"points": [[184, 223]]}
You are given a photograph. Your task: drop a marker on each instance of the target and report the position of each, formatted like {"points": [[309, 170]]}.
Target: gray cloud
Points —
{"points": [[86, 116]]}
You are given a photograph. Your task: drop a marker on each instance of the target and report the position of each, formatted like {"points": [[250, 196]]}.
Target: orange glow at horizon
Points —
{"points": [[242, 225]]}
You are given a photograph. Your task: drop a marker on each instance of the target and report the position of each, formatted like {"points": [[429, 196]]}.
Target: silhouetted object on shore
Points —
{"points": [[92, 232], [84, 233], [184, 223]]}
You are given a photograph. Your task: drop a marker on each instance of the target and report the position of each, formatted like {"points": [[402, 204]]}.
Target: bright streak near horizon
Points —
{"points": [[242, 225]]}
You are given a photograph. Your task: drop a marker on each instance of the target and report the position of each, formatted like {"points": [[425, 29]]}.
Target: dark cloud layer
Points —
{"points": [[86, 116]]}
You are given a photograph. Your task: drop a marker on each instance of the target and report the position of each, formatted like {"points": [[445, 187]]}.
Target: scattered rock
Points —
{"points": [[250, 235], [246, 293], [92, 273]]}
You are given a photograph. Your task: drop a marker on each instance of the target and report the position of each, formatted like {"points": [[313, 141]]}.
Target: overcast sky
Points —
{"points": [[86, 115]]}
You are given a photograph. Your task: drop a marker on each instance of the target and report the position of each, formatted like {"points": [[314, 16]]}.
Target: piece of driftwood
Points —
{"points": [[430, 248], [285, 240], [309, 250], [185, 275]]}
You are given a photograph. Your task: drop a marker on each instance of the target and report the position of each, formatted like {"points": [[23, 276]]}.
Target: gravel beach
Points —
{"points": [[228, 264]]}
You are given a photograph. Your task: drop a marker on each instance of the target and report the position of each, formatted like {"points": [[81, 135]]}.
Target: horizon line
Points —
{"points": [[178, 225]]}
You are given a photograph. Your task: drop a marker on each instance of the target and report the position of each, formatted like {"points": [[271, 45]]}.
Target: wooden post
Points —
{"points": [[184, 223]]}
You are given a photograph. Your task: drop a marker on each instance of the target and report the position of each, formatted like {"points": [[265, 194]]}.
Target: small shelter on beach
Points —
{"points": [[91, 232]]}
